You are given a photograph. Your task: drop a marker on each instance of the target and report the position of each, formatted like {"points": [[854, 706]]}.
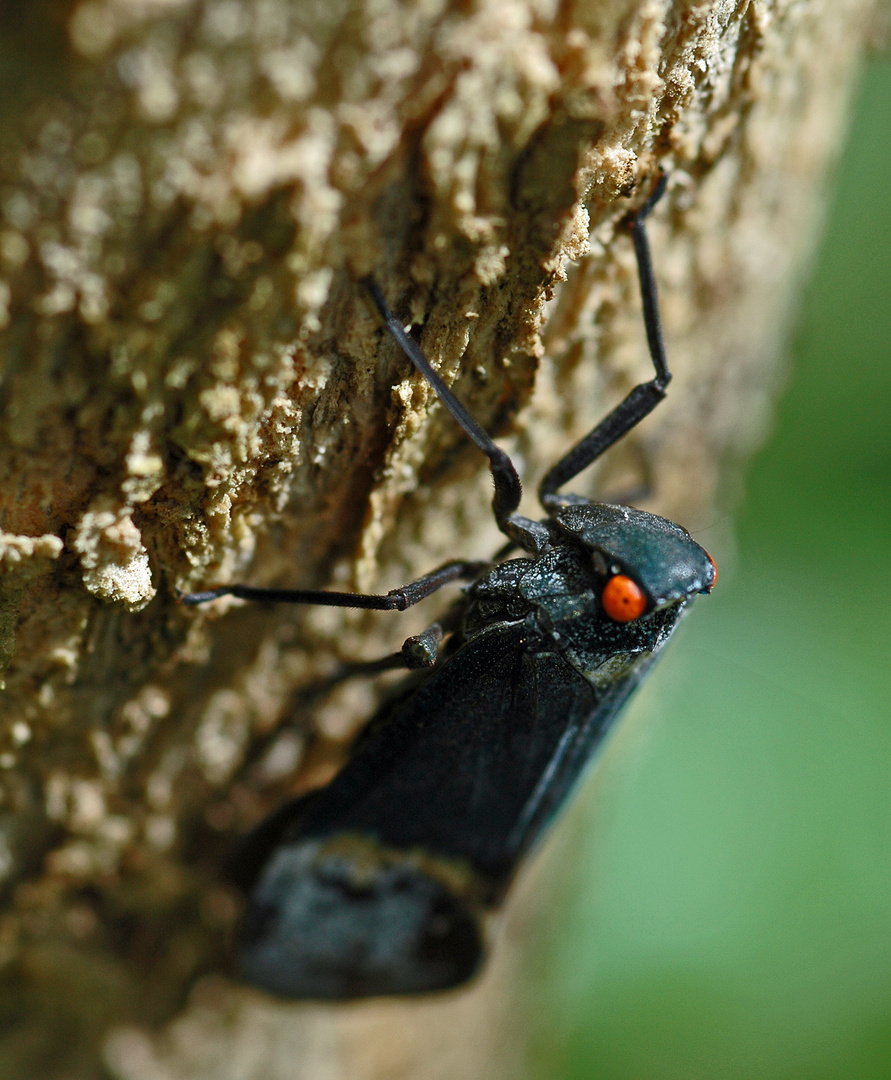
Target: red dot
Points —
{"points": [[715, 568], [623, 599]]}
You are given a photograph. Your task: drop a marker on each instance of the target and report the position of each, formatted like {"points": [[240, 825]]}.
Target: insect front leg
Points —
{"points": [[643, 398], [508, 489]]}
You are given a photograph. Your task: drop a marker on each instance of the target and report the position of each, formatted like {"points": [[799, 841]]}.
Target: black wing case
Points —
{"points": [[374, 884]]}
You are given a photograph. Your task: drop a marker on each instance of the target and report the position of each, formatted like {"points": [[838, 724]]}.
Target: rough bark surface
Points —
{"points": [[194, 390]]}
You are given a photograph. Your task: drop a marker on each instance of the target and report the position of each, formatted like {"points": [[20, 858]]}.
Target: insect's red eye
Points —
{"points": [[715, 568], [623, 599]]}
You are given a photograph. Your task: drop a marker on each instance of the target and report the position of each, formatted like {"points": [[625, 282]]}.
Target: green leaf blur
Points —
{"points": [[731, 913]]}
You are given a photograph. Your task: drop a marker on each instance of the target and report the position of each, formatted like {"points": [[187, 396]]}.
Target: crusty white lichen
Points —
{"points": [[114, 560]]}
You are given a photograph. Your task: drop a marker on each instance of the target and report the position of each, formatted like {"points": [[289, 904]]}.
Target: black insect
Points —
{"points": [[379, 882]]}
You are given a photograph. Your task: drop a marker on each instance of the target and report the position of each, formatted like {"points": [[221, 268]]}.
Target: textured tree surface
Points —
{"points": [[194, 390]]}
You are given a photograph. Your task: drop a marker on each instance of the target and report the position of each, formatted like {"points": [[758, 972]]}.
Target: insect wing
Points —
{"points": [[452, 770], [375, 884], [346, 919]]}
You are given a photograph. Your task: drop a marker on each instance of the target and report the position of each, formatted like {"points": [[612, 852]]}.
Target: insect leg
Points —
{"points": [[418, 651], [395, 600], [643, 398], [508, 489]]}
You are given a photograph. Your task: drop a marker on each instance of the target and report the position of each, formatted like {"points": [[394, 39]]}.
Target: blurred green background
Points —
{"points": [[731, 913]]}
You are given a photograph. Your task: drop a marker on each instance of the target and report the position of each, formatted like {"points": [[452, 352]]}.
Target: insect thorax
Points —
{"points": [[557, 597]]}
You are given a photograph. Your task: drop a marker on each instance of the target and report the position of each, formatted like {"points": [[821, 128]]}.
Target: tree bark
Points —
{"points": [[195, 391]]}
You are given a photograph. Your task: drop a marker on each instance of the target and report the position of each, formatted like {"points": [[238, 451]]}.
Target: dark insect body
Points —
{"points": [[379, 882]]}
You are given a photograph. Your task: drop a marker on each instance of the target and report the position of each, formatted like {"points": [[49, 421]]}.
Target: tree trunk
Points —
{"points": [[195, 391]]}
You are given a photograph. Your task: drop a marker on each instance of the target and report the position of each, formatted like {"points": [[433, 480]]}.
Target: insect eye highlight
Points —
{"points": [[623, 599], [715, 569]]}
